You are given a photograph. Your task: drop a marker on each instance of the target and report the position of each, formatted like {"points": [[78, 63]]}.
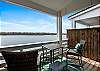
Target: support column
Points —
{"points": [[59, 27], [99, 20], [73, 24]]}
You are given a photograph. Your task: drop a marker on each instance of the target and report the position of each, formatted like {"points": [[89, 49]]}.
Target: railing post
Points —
{"points": [[43, 52], [21, 50]]}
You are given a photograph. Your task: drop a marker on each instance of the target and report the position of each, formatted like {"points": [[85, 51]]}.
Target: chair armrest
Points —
{"points": [[71, 53], [3, 65], [75, 65], [70, 49]]}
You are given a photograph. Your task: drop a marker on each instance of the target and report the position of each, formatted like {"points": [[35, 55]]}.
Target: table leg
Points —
{"points": [[51, 56], [62, 53], [43, 52]]}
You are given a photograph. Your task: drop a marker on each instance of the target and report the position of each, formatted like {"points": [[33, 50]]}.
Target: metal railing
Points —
{"points": [[27, 47]]}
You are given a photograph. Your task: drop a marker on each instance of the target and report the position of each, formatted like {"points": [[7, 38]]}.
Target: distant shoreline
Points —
{"points": [[28, 33]]}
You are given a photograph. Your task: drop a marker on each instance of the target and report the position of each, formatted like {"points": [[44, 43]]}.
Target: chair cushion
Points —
{"points": [[21, 61], [79, 50], [73, 53], [77, 45], [57, 66]]}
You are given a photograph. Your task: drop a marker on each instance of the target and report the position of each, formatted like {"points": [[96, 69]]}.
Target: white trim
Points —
{"points": [[85, 11]]}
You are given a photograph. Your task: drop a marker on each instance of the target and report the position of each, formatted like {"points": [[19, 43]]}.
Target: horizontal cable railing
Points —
{"points": [[27, 47]]}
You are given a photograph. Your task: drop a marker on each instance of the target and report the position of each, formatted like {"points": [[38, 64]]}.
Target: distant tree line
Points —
{"points": [[27, 33]]}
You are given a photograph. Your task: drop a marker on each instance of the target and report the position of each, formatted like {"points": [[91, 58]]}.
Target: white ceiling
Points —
{"points": [[53, 6]]}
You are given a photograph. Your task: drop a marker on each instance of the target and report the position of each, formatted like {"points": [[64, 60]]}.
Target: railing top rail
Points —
{"points": [[28, 45]]}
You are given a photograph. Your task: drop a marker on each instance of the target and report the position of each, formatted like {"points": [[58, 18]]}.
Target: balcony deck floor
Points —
{"points": [[89, 65]]}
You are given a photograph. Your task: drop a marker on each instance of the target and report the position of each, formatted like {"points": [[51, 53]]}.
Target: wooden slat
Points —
{"points": [[92, 38]]}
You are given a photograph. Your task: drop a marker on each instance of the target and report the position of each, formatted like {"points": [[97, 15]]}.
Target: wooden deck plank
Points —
{"points": [[91, 65], [87, 64], [94, 68], [84, 61], [98, 69]]}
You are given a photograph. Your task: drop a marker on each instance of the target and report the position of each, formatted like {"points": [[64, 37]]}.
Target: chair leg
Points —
{"points": [[82, 63], [40, 64], [62, 54], [66, 62], [39, 67], [79, 59]]}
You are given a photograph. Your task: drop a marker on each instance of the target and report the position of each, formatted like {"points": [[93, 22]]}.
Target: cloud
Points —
{"points": [[40, 25], [13, 27], [45, 26], [27, 26]]}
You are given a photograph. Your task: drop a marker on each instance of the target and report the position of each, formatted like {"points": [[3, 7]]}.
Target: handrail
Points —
{"points": [[26, 46]]}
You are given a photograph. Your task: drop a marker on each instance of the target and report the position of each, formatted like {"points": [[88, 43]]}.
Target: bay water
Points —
{"points": [[6, 40]]}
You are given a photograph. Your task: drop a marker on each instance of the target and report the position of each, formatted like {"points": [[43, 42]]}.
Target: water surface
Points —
{"points": [[6, 40]]}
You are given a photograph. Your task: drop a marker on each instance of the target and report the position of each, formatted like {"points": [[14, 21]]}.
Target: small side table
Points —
{"points": [[53, 47], [60, 66], [56, 66]]}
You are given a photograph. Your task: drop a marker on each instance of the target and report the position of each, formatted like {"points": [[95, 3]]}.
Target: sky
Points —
{"points": [[18, 19]]}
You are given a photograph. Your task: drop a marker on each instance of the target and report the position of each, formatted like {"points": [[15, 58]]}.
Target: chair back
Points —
{"points": [[77, 45], [82, 42], [21, 61], [81, 46]]}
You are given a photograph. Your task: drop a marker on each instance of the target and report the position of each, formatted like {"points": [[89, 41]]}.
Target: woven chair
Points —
{"points": [[77, 51], [21, 61]]}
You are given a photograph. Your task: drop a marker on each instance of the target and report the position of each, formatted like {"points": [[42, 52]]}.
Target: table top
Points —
{"points": [[52, 46]]}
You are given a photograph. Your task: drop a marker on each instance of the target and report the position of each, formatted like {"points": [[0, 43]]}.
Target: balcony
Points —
{"points": [[89, 16], [88, 63]]}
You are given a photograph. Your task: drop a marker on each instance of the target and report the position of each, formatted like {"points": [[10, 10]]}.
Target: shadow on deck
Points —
{"points": [[89, 65]]}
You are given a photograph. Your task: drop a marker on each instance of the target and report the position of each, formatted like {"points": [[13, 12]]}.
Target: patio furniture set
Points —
{"points": [[51, 56]]}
